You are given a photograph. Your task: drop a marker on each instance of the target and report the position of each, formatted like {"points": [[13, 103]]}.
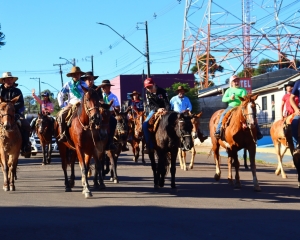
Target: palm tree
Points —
{"points": [[2, 37]]}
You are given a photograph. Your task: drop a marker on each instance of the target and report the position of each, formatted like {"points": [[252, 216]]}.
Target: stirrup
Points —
{"points": [[62, 138]]}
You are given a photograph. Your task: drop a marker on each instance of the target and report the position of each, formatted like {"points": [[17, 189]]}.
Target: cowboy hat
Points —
{"points": [[75, 70], [89, 74], [148, 82], [6, 75], [45, 94], [233, 77], [134, 92], [106, 82], [290, 83], [181, 88]]}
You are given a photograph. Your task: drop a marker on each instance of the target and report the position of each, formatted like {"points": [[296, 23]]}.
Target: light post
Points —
{"points": [[28, 111], [60, 71], [147, 45], [68, 62], [39, 91], [50, 86]]}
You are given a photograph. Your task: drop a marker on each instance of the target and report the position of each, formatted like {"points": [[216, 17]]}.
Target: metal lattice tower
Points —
{"points": [[214, 35]]}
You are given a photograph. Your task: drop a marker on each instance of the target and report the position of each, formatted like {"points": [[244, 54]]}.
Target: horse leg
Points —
{"points": [[215, 149], [237, 167], [193, 158], [143, 147], [137, 152], [84, 172], [180, 157], [44, 162], [245, 159], [49, 153], [280, 155], [173, 168], [5, 173], [252, 152], [161, 168], [154, 169], [64, 165], [113, 167], [13, 170], [229, 163]]}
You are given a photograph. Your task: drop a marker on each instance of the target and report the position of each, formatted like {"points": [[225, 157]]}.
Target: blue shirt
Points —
{"points": [[109, 97], [296, 89], [180, 104]]}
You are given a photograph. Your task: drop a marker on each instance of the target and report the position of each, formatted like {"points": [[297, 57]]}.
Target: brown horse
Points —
{"points": [[83, 137], [10, 143], [173, 130], [181, 153], [279, 138], [44, 129], [135, 125], [240, 133]]}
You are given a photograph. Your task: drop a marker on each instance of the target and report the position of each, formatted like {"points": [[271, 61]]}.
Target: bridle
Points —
{"points": [[182, 134], [7, 114], [246, 117]]}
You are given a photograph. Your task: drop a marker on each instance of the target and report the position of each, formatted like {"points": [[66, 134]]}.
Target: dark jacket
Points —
{"points": [[158, 100], [10, 93], [99, 92], [138, 106]]}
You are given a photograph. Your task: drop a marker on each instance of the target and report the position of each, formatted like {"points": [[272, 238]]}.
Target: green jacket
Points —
{"points": [[238, 92]]}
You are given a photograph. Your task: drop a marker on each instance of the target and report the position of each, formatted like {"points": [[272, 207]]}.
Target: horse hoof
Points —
{"points": [[157, 187], [191, 167], [230, 182], [12, 188], [257, 189], [246, 167], [284, 176], [173, 186], [217, 177], [185, 169], [88, 195], [116, 181], [43, 164], [237, 186], [277, 172], [5, 188], [102, 186], [111, 179], [68, 190]]}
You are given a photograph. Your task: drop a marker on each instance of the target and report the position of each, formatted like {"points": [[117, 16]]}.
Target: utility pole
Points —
{"points": [[60, 71], [92, 59], [147, 50], [39, 91]]}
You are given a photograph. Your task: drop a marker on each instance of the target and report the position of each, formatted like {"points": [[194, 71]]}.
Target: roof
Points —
{"points": [[212, 91], [277, 85]]}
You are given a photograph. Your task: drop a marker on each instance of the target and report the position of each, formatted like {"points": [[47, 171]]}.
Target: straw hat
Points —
{"points": [[181, 88], [89, 74], [6, 75], [233, 77], [75, 70], [134, 92]]}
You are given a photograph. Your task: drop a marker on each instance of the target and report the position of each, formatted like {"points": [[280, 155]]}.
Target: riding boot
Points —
{"points": [[62, 136], [26, 146]]}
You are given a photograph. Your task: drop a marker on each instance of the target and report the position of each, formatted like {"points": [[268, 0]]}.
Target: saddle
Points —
{"points": [[226, 121], [71, 113], [154, 121]]}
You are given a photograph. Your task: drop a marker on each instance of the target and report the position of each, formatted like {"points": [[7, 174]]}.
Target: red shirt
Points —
{"points": [[288, 108]]}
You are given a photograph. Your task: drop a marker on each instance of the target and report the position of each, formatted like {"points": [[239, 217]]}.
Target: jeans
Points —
{"points": [[221, 118], [146, 132], [294, 124]]}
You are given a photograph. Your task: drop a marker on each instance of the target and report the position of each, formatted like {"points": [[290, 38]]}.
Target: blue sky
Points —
{"points": [[39, 32]]}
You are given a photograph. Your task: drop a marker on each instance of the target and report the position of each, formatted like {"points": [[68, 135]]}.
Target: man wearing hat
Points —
{"points": [[136, 103], [8, 91], [181, 103], [286, 100], [74, 93], [157, 101], [89, 79], [231, 96]]}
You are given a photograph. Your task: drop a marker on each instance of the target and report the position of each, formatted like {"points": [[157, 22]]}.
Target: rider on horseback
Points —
{"points": [[89, 79], [231, 96], [295, 122], [157, 101], [286, 100], [8, 91], [75, 93], [47, 107], [181, 103]]}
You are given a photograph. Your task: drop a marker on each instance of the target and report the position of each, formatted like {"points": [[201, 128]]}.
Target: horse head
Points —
{"points": [[7, 113], [105, 115], [195, 124], [42, 123], [90, 102], [138, 119], [248, 107], [184, 129]]}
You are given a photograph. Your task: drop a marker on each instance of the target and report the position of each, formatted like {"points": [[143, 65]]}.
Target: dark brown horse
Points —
{"points": [[135, 124], [240, 133], [44, 129], [10, 143], [83, 137], [173, 131]]}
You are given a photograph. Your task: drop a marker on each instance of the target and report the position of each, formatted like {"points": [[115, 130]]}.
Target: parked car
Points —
{"points": [[36, 145]]}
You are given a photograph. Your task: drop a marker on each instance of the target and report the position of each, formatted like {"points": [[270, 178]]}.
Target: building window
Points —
{"points": [[264, 103]]}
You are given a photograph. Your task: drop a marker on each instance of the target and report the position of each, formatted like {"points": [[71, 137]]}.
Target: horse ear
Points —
{"points": [[242, 99], [254, 97], [14, 100], [198, 115], [180, 115], [97, 89]]}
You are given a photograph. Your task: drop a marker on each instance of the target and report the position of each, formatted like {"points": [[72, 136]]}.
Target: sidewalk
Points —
{"points": [[265, 154]]}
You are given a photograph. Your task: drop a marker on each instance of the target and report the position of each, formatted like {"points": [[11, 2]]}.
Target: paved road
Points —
{"points": [[132, 209]]}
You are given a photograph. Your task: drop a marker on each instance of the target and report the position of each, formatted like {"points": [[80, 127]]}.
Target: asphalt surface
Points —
{"points": [[200, 207]]}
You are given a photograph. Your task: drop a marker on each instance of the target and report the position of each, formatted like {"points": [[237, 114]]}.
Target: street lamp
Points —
{"points": [[147, 45], [50, 86], [25, 87], [69, 61], [39, 91]]}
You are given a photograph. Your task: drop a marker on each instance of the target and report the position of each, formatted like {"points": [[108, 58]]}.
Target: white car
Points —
{"points": [[36, 145]]}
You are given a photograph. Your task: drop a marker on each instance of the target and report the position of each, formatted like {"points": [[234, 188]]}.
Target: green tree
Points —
{"points": [[2, 37], [192, 94]]}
